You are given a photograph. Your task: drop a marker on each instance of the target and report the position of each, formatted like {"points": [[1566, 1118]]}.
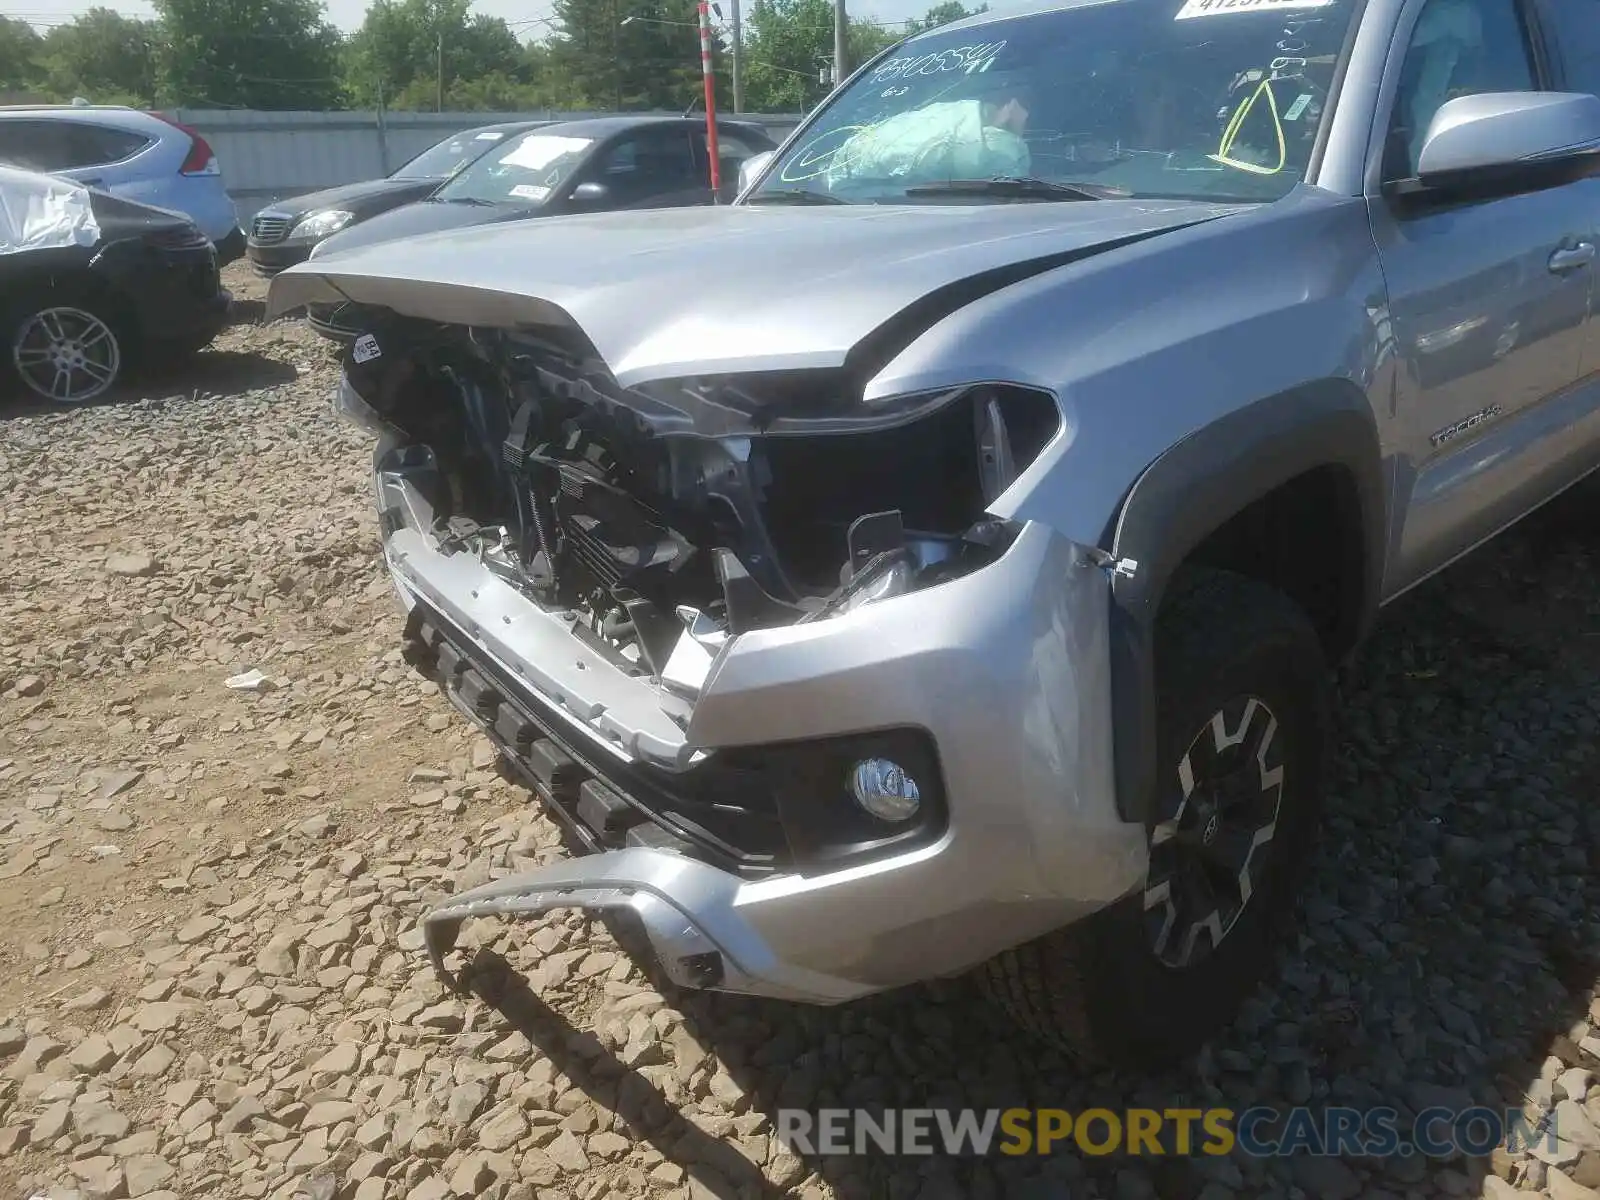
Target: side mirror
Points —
{"points": [[591, 193], [751, 167], [1511, 140]]}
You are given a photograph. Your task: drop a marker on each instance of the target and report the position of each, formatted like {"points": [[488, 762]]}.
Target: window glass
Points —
{"points": [[621, 159], [1577, 38], [647, 163], [1185, 98], [731, 147], [1458, 48], [523, 170], [100, 144], [37, 145], [64, 145], [449, 156]]}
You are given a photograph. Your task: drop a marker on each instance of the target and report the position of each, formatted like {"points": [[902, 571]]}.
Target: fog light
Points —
{"points": [[884, 789]]}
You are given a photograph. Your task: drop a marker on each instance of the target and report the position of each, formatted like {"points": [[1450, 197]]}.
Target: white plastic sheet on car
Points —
{"points": [[39, 212]]}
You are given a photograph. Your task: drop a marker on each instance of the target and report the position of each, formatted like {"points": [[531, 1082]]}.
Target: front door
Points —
{"points": [[647, 168], [1489, 300], [1573, 33]]}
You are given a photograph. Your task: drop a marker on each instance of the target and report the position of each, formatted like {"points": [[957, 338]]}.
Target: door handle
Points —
{"points": [[1572, 258]]}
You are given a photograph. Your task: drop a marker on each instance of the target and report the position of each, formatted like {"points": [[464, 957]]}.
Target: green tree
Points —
{"points": [[104, 56], [631, 54], [398, 47], [264, 54], [20, 47], [942, 14], [549, 84], [789, 49]]}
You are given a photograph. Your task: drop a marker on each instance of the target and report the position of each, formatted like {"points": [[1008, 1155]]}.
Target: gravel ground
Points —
{"points": [[212, 984]]}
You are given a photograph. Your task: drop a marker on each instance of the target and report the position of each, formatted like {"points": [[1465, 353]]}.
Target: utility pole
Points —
{"points": [[616, 61], [708, 73], [738, 57], [841, 55], [383, 132], [439, 102]]}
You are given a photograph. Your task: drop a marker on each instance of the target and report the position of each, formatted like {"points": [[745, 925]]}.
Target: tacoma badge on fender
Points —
{"points": [[1456, 430]]}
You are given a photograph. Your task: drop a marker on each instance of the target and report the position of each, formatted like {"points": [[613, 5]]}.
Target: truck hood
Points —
{"points": [[672, 293]]}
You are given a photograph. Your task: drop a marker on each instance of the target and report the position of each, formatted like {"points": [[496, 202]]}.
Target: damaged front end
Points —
{"points": [[580, 560], [667, 518]]}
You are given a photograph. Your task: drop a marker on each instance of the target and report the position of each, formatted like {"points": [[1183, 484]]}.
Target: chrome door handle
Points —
{"points": [[1571, 258]]}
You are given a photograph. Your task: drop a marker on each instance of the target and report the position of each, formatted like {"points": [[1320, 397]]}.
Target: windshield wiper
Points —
{"points": [[1022, 187], [794, 196], [475, 201]]}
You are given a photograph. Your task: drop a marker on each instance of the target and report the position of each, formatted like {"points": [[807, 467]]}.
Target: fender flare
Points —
{"points": [[1191, 490]]}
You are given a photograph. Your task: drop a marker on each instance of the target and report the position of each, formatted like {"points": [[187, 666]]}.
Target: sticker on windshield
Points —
{"points": [[1301, 102], [530, 191], [365, 349], [1217, 8], [542, 149], [489, 137]]}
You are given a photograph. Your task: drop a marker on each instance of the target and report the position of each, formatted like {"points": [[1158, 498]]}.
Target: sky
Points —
{"points": [[347, 14]]}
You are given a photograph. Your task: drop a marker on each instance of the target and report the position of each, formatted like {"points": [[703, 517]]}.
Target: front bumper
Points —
{"points": [[687, 911], [269, 259], [339, 322], [1006, 670]]}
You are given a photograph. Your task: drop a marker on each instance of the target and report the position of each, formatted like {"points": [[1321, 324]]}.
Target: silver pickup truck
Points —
{"points": [[934, 560]]}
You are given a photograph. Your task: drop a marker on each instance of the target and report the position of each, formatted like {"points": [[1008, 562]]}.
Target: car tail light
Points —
{"points": [[201, 159]]}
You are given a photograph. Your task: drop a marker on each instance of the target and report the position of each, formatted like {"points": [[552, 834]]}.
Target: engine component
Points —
{"points": [[661, 538]]}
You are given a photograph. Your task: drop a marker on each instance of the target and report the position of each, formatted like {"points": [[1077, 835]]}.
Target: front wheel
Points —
{"points": [[1243, 722], [63, 350]]}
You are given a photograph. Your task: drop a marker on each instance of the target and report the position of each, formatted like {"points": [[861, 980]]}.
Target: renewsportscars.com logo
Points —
{"points": [[1259, 1132]]}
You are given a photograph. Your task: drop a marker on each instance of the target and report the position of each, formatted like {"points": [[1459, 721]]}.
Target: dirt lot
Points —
{"points": [[212, 985]]}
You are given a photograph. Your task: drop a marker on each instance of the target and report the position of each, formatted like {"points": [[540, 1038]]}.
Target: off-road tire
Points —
{"points": [[1097, 989]]}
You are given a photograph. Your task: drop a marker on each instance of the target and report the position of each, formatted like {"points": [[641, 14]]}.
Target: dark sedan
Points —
{"points": [[284, 233], [574, 166], [91, 284]]}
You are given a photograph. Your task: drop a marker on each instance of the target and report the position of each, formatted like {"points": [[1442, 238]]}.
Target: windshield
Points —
{"points": [[450, 155], [523, 171], [1202, 99]]}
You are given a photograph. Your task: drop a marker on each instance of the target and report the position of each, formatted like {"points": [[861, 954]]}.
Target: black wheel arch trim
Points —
{"points": [[1191, 490]]}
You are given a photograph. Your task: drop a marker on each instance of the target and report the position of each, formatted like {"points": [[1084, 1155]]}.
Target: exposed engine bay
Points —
{"points": [[671, 517]]}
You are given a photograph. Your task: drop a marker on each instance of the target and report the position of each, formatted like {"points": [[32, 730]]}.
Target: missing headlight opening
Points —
{"points": [[670, 517]]}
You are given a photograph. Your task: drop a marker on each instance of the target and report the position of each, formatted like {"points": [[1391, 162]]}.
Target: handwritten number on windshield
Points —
{"points": [[968, 59]]}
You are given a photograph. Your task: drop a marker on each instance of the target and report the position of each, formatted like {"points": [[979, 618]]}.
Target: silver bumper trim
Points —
{"points": [[688, 910], [626, 716]]}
